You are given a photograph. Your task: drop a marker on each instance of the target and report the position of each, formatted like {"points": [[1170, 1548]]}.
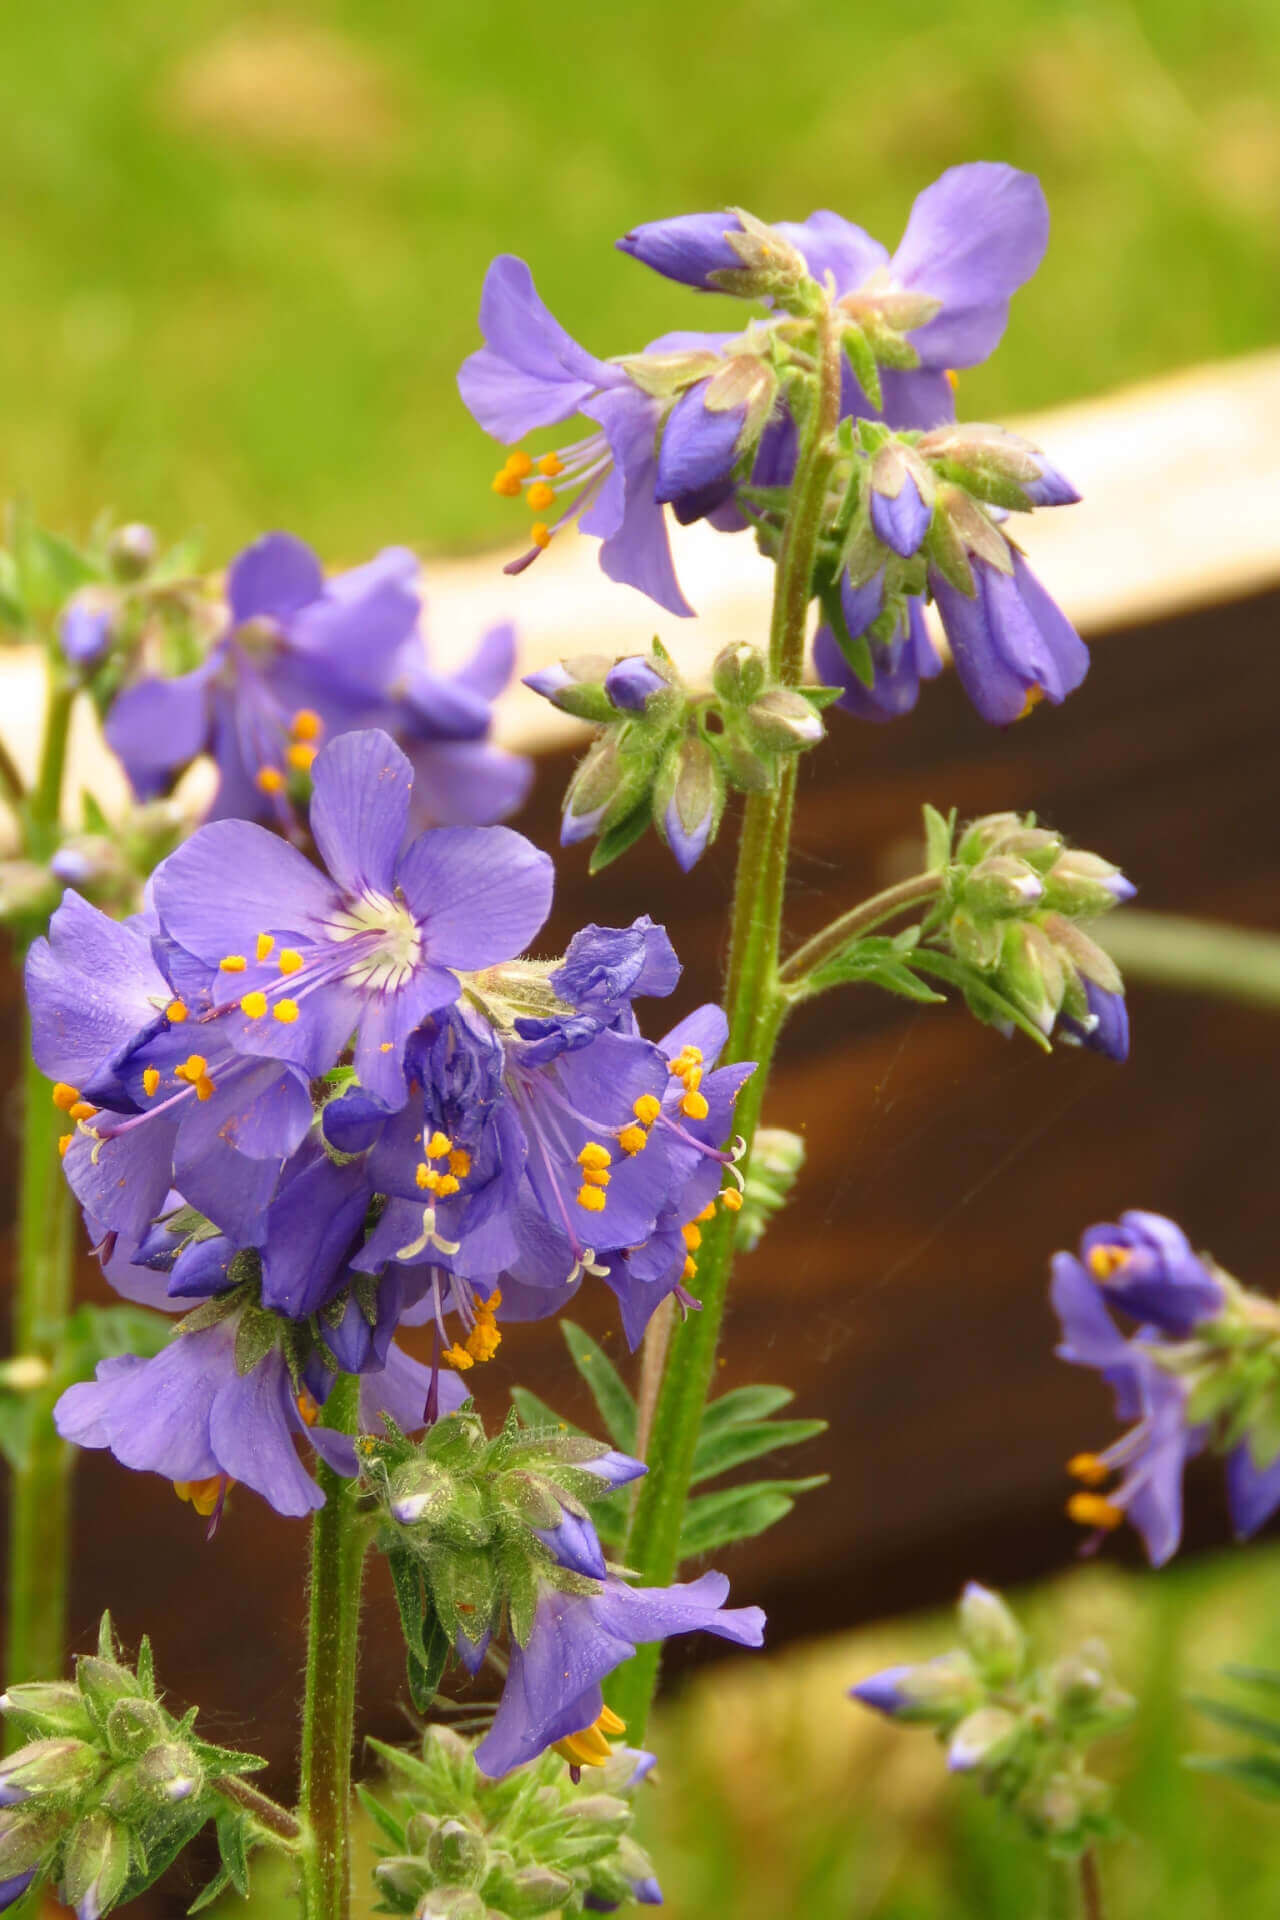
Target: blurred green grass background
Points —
{"points": [[243, 243]]}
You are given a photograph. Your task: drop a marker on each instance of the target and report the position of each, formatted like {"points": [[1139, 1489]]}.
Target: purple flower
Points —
{"points": [[603, 970], [552, 1690], [193, 1416], [1011, 643], [899, 664], [442, 722], [529, 374], [900, 519], [300, 960], [1146, 1267], [87, 627], [1151, 1457], [699, 445]]}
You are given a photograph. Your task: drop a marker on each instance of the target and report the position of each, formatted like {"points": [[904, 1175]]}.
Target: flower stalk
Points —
{"points": [[339, 1538], [756, 1005]]}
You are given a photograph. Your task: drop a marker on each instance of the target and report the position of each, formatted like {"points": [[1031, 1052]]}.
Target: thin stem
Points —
{"points": [[653, 1359], [268, 1813], [40, 1499], [756, 1007], [12, 784], [338, 1542], [861, 919], [1091, 1886]]}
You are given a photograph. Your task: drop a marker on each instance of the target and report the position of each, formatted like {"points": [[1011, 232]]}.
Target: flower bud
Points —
{"points": [[47, 1766], [451, 1903], [688, 799], [607, 786], [131, 551], [133, 1726], [103, 1682], [983, 1739], [999, 884], [991, 1634], [1080, 882], [26, 1835], [96, 1865], [739, 673], [976, 942], [633, 681], [170, 1773], [402, 1878], [87, 626], [782, 721], [601, 1810], [901, 498], [938, 1691], [456, 1853], [532, 1891], [576, 686], [1031, 973], [55, 1706], [423, 1492]]}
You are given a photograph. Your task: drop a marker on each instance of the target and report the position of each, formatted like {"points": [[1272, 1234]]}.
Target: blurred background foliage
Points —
{"points": [[243, 243]]}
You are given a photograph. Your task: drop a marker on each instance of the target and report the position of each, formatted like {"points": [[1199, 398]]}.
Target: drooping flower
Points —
{"points": [[552, 1691], [300, 960], [1011, 643], [898, 664]]}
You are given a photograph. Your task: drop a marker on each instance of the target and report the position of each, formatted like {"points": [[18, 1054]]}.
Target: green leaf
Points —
{"points": [[382, 1816], [983, 1000], [939, 832], [1268, 1677], [1239, 1719], [731, 1447], [743, 1404], [614, 1403], [1257, 1773], [874, 962], [714, 1520], [425, 1640], [617, 839]]}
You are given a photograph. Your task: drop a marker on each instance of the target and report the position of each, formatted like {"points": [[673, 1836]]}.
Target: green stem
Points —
{"points": [[1091, 1887], [274, 1820], [338, 1541], [40, 1497], [1202, 956], [861, 919], [756, 1006]]}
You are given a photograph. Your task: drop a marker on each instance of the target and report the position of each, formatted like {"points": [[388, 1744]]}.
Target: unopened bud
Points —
{"points": [[402, 1878], [96, 1865], [451, 1903], [688, 799], [131, 550], [105, 1681], [534, 1890], [576, 686], [633, 681], [783, 721], [991, 1634], [601, 1810], [1080, 882], [47, 1766], [133, 1726], [87, 626], [456, 1853], [170, 1773], [983, 1739], [739, 673], [26, 1835], [55, 1706], [976, 942], [607, 786], [1079, 951], [999, 884], [939, 1691], [1031, 974]]}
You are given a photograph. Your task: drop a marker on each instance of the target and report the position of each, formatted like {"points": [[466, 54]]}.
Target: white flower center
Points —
{"points": [[386, 961]]}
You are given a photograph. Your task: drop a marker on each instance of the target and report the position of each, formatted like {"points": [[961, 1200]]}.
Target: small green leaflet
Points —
{"points": [[614, 1403], [875, 962], [714, 1520], [1259, 1772]]}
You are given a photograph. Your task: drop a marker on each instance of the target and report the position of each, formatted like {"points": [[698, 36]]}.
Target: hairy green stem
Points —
{"points": [[861, 919], [274, 1820], [339, 1538], [40, 1494], [756, 1005]]}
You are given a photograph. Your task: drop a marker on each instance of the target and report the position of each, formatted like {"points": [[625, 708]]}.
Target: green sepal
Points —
{"points": [[426, 1643], [861, 357], [255, 1338], [939, 834], [618, 839]]}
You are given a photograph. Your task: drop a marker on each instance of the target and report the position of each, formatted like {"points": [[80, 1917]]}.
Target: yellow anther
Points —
{"points": [[1104, 1261], [591, 1198], [647, 1109], [1034, 696], [593, 1155], [540, 534], [695, 1106], [266, 941], [506, 483], [438, 1145], [540, 495], [494, 1301], [308, 1409], [690, 1271], [952, 378], [693, 1055], [708, 1212], [64, 1097], [193, 1068], [423, 1176], [588, 1748], [306, 724], [253, 1005], [520, 463], [64, 1141], [269, 779], [175, 1013], [458, 1357], [484, 1338], [286, 1012], [550, 464], [204, 1087], [301, 754], [447, 1185], [1088, 1468], [232, 963], [459, 1163], [691, 1234], [633, 1139], [596, 1176], [202, 1494], [289, 960], [81, 1111], [731, 1198], [150, 1080], [1095, 1510]]}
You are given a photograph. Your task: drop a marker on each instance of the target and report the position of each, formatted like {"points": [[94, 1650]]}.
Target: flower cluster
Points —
{"points": [[1021, 1729], [473, 1848], [495, 1538], [1198, 1371], [308, 1104], [669, 753], [706, 423], [108, 1786], [285, 661]]}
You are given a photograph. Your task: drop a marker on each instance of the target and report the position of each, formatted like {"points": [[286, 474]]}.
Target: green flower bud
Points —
{"points": [[1001, 884], [608, 785], [688, 799], [26, 1835], [131, 551], [991, 1634], [739, 673], [456, 1853], [170, 1773], [451, 1903], [577, 687], [402, 1878], [54, 1706], [983, 1739], [1031, 973], [1077, 950], [532, 1891], [133, 1726], [601, 1810], [103, 1682], [422, 1825], [978, 943], [49, 1766], [1084, 883], [782, 721], [96, 1865]]}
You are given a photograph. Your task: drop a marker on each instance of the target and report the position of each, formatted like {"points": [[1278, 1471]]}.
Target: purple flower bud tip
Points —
{"points": [[647, 1891], [630, 683], [1119, 888], [960, 1759], [975, 1591], [687, 846], [902, 520], [1051, 489], [85, 630], [548, 681], [71, 867], [13, 1889], [409, 1509], [882, 1691], [11, 1796]]}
